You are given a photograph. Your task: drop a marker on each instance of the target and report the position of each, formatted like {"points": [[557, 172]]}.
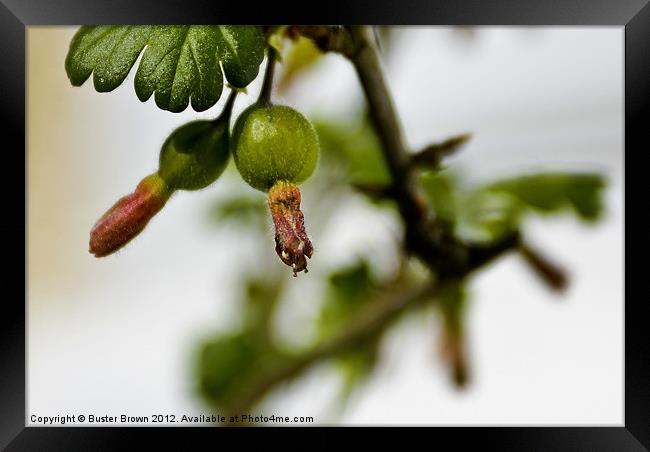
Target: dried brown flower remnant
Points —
{"points": [[291, 242]]}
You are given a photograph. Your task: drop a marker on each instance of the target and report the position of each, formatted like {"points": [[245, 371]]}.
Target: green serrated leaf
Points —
{"points": [[552, 192], [180, 63]]}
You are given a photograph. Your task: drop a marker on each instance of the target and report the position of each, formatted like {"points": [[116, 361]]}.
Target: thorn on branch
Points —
{"points": [[550, 273], [431, 156], [455, 355]]}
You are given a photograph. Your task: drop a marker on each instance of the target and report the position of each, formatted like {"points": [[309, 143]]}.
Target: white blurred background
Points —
{"points": [[119, 335]]}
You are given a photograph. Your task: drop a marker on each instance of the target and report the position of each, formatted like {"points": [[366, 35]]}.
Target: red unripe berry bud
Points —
{"points": [[128, 216]]}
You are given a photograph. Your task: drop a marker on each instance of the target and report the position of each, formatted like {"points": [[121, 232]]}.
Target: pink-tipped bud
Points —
{"points": [[129, 216], [291, 241]]}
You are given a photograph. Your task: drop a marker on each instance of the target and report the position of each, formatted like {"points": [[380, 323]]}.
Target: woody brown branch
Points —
{"points": [[426, 237]]}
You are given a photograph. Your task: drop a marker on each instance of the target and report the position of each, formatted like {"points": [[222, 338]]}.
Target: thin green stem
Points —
{"points": [[267, 85], [226, 112]]}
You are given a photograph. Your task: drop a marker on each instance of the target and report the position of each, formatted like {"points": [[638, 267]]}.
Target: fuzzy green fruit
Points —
{"points": [[195, 154], [272, 143]]}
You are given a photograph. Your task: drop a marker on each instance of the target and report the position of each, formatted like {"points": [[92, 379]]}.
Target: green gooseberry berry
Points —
{"points": [[195, 154], [272, 143]]}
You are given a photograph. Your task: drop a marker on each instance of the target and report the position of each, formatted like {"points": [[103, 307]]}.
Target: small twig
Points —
{"points": [[390, 302], [455, 355], [431, 156], [369, 322], [426, 237], [550, 273]]}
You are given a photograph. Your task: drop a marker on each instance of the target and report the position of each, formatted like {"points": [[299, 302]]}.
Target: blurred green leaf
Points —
{"points": [[224, 362], [351, 284], [476, 216], [440, 189], [261, 296], [552, 192], [484, 217], [357, 365], [276, 40], [302, 54], [346, 292], [229, 364], [488, 213], [243, 209], [357, 148]]}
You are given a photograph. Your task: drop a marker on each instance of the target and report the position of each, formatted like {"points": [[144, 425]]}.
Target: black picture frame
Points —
{"points": [[16, 15]]}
